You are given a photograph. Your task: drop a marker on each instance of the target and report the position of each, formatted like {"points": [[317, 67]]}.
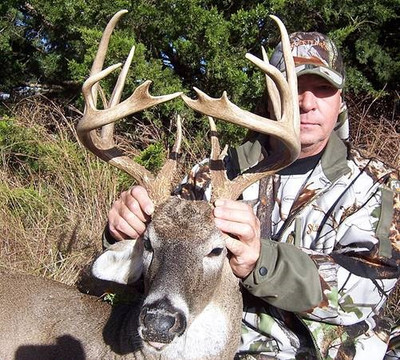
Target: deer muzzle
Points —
{"points": [[160, 323]]}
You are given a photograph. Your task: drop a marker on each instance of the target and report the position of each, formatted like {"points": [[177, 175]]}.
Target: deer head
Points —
{"points": [[182, 255]]}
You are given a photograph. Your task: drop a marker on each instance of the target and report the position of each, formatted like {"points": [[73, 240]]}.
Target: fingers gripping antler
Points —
{"points": [[285, 130], [103, 144]]}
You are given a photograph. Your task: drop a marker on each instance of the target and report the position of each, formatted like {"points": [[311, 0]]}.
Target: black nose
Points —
{"points": [[161, 322]]}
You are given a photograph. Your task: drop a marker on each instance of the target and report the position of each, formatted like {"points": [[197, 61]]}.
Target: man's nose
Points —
{"points": [[306, 101]]}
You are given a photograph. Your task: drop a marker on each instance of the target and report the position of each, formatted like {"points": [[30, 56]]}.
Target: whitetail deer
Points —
{"points": [[191, 307]]}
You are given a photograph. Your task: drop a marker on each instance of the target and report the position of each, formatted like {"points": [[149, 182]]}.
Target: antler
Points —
{"points": [[286, 130], [103, 144]]}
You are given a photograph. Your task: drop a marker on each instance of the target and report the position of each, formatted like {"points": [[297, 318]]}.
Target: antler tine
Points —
{"points": [[103, 146], [105, 39], [218, 178], [285, 129], [273, 93], [138, 101], [215, 146], [107, 131], [98, 61], [291, 75], [163, 182]]}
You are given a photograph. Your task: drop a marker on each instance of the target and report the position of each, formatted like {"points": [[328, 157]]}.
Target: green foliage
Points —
{"points": [[18, 145], [187, 43], [153, 157], [21, 201], [27, 151], [119, 298], [202, 42]]}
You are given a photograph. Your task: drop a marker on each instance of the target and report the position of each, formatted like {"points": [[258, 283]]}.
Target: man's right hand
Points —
{"points": [[129, 214]]}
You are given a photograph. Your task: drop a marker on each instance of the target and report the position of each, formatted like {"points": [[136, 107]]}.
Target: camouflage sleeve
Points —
{"points": [[363, 269]]}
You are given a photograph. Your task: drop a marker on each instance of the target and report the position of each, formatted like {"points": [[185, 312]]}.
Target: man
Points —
{"points": [[319, 264]]}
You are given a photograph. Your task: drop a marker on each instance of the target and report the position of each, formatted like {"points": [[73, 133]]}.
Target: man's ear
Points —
{"points": [[121, 262]]}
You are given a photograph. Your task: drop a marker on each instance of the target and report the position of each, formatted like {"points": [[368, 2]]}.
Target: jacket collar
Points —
{"points": [[333, 161]]}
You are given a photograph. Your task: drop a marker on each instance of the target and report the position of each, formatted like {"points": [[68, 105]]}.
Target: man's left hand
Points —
{"points": [[238, 221]]}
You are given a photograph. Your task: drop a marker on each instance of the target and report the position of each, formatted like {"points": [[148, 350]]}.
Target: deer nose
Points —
{"points": [[160, 322]]}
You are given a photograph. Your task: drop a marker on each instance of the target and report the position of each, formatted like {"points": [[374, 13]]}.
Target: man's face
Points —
{"points": [[319, 103]]}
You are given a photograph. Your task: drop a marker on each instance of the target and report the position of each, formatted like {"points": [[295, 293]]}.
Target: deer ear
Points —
{"points": [[121, 262]]}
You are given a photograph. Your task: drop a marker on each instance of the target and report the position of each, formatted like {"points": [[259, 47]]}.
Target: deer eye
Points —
{"points": [[216, 252], [147, 244]]}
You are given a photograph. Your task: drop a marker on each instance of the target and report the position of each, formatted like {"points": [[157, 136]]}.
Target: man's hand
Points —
{"points": [[242, 227], [129, 214]]}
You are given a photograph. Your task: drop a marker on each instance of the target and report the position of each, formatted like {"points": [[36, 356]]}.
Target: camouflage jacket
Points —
{"points": [[329, 258]]}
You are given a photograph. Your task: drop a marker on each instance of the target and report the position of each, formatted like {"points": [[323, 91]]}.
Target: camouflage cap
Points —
{"points": [[313, 53]]}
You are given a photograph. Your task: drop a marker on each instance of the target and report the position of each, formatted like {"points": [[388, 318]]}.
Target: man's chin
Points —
{"points": [[310, 147]]}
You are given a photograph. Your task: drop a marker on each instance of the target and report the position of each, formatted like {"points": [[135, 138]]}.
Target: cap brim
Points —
{"points": [[332, 76]]}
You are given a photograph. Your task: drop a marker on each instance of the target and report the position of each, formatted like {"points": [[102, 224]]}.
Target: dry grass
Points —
{"points": [[375, 127], [52, 217]]}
